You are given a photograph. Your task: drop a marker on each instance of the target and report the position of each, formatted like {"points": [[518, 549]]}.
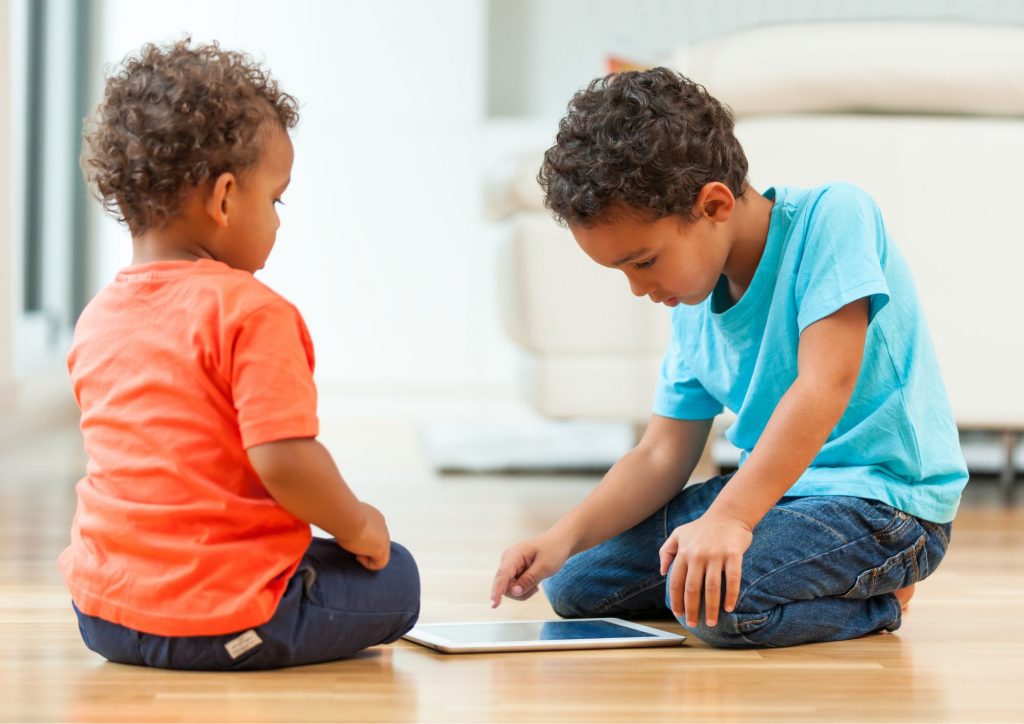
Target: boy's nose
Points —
{"points": [[639, 289]]}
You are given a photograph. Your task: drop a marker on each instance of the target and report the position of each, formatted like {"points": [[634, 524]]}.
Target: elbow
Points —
{"points": [[844, 385]]}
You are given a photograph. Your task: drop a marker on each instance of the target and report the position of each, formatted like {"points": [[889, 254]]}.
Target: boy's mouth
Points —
{"points": [[667, 301]]}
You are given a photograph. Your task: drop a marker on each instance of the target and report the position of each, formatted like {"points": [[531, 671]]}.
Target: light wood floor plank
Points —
{"points": [[959, 656]]}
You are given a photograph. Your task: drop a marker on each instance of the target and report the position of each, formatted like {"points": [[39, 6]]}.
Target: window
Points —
{"points": [[53, 229]]}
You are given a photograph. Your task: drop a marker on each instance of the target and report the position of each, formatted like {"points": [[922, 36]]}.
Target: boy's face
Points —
{"points": [[672, 260], [246, 241]]}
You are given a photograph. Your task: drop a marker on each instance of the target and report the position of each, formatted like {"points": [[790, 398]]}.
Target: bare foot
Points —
{"points": [[904, 595]]}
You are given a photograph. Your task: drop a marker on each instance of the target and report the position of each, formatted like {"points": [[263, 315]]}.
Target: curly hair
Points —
{"points": [[171, 118], [649, 140]]}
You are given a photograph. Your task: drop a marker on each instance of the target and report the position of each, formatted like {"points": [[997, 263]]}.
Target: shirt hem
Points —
{"points": [[255, 614], [868, 288], [273, 431], [687, 414], [932, 511]]}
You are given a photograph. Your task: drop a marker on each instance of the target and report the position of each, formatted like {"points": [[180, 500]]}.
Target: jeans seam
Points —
{"points": [[758, 622], [915, 553], [627, 593], [854, 541], [897, 609], [839, 535], [936, 529], [844, 542]]}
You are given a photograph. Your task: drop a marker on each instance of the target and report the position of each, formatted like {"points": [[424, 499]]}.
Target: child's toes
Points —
{"points": [[904, 595]]}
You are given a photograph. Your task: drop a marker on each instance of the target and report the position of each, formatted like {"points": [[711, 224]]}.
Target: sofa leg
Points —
{"points": [[1008, 475]]}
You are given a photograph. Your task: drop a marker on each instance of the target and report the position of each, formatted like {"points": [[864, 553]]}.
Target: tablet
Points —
{"points": [[578, 633]]}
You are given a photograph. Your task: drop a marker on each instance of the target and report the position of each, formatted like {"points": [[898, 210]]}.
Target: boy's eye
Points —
{"points": [[279, 201], [645, 264]]}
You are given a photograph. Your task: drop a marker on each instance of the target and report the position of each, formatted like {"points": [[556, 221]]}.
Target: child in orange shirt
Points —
{"points": [[191, 544]]}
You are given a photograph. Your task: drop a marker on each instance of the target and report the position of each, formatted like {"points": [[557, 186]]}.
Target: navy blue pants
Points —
{"points": [[331, 609]]}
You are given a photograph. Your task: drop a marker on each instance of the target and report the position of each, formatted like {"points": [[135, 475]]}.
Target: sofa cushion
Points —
{"points": [[891, 66]]}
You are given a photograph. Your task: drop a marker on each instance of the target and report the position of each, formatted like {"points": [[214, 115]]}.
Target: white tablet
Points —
{"points": [[578, 633]]}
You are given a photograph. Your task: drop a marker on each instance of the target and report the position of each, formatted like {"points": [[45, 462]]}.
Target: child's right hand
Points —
{"points": [[525, 565], [372, 545]]}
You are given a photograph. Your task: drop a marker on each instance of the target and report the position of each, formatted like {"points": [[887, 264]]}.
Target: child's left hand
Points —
{"points": [[703, 551]]}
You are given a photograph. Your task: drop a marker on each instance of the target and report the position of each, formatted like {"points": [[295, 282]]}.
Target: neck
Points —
{"points": [[173, 242], [751, 216]]}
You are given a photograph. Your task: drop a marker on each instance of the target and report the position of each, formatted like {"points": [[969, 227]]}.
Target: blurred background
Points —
{"points": [[477, 374], [422, 126]]}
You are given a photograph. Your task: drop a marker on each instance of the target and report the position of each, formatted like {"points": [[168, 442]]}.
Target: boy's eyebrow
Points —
{"points": [[285, 184]]}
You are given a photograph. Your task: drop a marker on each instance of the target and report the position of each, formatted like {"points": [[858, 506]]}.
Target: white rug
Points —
{"points": [[526, 446]]}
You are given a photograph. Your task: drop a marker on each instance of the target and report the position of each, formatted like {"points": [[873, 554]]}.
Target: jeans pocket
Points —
{"points": [[899, 571], [939, 531], [899, 526]]}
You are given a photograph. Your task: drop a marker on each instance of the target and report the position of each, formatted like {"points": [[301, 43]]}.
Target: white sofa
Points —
{"points": [[928, 118]]}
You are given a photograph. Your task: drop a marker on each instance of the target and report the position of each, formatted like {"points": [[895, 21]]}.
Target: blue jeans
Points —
{"points": [[819, 568], [331, 609]]}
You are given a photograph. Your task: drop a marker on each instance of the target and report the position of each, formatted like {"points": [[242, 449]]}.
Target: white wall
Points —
{"points": [[383, 244], [6, 221]]}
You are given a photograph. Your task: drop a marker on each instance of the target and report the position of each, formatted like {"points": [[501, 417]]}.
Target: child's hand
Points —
{"points": [[372, 545], [704, 550], [525, 565]]}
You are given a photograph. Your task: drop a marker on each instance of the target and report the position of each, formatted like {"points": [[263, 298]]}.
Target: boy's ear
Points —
{"points": [[218, 200], [715, 201]]}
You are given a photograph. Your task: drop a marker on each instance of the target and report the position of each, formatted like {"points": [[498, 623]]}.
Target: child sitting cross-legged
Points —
{"points": [[191, 545]]}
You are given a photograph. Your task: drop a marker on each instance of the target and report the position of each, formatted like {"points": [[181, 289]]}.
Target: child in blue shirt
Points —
{"points": [[794, 310]]}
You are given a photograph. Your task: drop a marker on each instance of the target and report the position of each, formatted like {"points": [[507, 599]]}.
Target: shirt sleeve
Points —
{"points": [[272, 376], [680, 395], [842, 259]]}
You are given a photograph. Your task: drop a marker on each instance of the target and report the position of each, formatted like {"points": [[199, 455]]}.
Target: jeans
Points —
{"points": [[820, 568], [332, 608]]}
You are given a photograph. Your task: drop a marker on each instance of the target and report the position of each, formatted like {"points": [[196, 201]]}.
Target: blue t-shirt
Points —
{"points": [[826, 247]]}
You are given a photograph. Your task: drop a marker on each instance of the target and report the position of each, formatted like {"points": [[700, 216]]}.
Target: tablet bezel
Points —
{"points": [[655, 637]]}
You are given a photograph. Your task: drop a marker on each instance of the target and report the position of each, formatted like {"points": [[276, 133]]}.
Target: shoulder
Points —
{"points": [[242, 295], [843, 199], [836, 214]]}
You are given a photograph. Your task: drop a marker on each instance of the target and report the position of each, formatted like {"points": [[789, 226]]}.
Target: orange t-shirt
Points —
{"points": [[178, 367]]}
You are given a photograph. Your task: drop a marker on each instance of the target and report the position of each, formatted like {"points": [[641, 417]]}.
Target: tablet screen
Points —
{"points": [[531, 631]]}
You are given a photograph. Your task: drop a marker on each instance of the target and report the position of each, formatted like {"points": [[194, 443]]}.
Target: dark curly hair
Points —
{"points": [[173, 117], [647, 139]]}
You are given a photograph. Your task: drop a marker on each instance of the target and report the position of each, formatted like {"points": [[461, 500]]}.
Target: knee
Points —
{"points": [[405, 574], [557, 590], [725, 634], [403, 562], [565, 593]]}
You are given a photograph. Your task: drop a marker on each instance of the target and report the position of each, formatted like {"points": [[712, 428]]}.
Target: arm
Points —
{"points": [[640, 483], [646, 478], [828, 364], [301, 475]]}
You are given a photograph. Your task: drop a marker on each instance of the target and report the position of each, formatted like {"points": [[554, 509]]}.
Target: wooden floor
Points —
{"points": [[959, 656]]}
